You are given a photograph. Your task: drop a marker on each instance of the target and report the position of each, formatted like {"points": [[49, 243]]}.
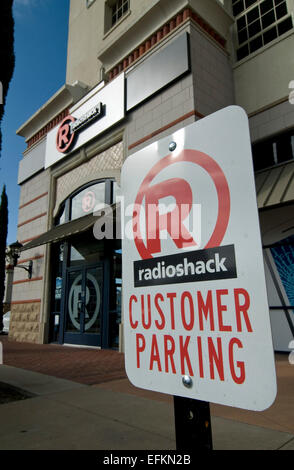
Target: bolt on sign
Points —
{"points": [[196, 316]]}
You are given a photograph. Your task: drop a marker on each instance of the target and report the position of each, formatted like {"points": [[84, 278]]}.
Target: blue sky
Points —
{"points": [[40, 47]]}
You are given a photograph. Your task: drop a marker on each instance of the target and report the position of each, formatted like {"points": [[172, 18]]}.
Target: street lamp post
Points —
{"points": [[13, 253]]}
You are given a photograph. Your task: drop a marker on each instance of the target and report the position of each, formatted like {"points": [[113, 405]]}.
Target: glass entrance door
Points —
{"points": [[84, 305]]}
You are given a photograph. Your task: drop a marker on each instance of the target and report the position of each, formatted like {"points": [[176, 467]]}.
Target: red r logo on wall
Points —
{"points": [[88, 202], [182, 193], [64, 136]]}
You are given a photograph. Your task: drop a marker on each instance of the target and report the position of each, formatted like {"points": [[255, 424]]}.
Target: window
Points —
{"points": [[114, 11], [89, 3], [258, 23], [273, 151], [119, 9], [87, 199]]}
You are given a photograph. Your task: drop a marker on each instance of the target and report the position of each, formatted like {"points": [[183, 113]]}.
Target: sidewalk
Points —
{"points": [[83, 400]]}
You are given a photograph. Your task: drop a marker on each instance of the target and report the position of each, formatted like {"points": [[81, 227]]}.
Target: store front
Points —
{"points": [[72, 165], [86, 294], [85, 272], [86, 275]]}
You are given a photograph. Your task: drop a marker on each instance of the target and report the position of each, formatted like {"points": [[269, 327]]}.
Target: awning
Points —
{"points": [[275, 185], [63, 231]]}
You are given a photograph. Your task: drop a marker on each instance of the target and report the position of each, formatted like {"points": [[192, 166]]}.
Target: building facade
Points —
{"points": [[138, 71]]}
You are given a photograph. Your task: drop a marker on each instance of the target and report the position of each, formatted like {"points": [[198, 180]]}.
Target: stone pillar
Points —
{"points": [[8, 286]]}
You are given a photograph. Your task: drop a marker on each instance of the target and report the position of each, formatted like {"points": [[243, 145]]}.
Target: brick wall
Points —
{"points": [[272, 121], [27, 293], [161, 114], [212, 74], [208, 88]]}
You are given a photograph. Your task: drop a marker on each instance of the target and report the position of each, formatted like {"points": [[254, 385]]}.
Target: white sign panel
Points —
{"points": [[196, 316], [101, 111]]}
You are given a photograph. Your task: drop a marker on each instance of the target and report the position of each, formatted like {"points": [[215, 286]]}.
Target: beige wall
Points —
{"points": [[87, 39], [27, 318], [264, 78], [84, 24]]}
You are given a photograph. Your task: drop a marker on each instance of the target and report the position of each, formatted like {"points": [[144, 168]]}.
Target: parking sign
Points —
{"points": [[196, 317]]}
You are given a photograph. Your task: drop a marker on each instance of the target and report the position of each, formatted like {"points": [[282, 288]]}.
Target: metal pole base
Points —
{"points": [[193, 424]]}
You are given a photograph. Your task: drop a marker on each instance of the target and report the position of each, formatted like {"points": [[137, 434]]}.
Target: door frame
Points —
{"points": [[83, 338]]}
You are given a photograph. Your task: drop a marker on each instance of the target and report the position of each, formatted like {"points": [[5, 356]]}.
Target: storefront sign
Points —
{"points": [[158, 70], [96, 113], [70, 126], [196, 316]]}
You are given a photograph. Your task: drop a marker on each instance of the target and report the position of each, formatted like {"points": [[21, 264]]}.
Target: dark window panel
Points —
{"points": [[281, 10], [285, 26], [238, 7], [270, 35], [254, 28], [268, 19], [242, 52], [242, 36], [284, 148], [252, 15], [266, 5], [255, 44], [119, 13], [264, 152], [248, 3], [119, 9], [263, 155], [241, 22]]}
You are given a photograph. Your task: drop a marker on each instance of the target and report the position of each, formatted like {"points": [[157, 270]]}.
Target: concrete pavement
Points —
{"points": [[82, 399], [66, 415]]}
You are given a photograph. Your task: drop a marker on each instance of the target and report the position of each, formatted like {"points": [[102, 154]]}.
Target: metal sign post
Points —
{"points": [[192, 425]]}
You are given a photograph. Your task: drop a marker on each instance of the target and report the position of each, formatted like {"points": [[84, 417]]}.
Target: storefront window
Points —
{"points": [[283, 255], [116, 192], [84, 248], [115, 300], [86, 283], [60, 219], [88, 200], [85, 202], [272, 151], [56, 293]]}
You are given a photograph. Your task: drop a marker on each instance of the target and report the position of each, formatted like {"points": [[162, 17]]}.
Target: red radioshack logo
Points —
{"points": [[70, 126], [181, 190], [88, 202], [65, 136]]}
